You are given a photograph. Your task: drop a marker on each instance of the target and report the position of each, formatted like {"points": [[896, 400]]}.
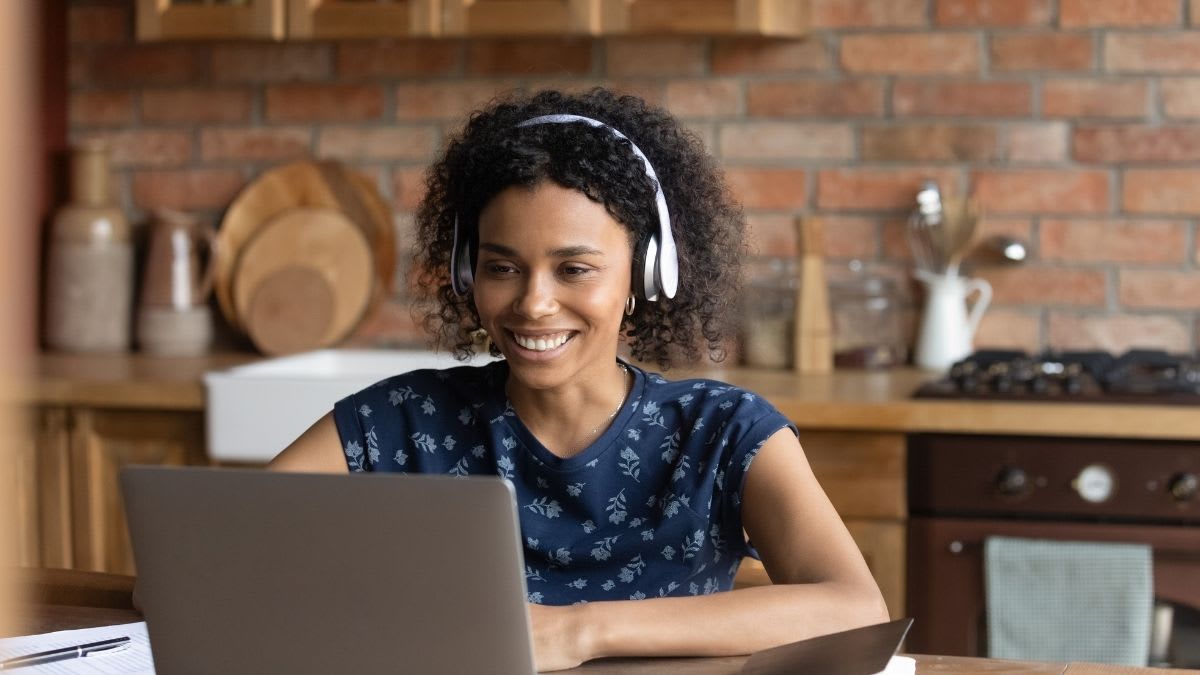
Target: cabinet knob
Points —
{"points": [[1183, 486]]}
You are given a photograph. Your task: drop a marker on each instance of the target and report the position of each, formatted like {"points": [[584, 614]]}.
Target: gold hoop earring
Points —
{"points": [[629, 305]]}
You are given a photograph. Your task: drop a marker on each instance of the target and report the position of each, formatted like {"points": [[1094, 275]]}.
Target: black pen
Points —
{"points": [[76, 652]]}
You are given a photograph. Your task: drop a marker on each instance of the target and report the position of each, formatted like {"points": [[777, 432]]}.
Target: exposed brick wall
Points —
{"points": [[1075, 122]]}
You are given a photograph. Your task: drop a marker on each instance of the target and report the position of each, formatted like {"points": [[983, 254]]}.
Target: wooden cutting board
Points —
{"points": [[304, 281], [304, 184]]}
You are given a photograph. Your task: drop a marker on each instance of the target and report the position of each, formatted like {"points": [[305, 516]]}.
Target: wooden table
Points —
{"points": [[68, 599]]}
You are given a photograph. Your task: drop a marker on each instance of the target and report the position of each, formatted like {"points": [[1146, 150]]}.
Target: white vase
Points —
{"points": [[947, 326]]}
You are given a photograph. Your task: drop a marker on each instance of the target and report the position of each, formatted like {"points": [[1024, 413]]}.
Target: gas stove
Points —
{"points": [[1137, 376]]}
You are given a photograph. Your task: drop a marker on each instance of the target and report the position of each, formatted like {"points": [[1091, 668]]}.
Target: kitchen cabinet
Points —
{"points": [[349, 19], [863, 474], [69, 502], [209, 19]]}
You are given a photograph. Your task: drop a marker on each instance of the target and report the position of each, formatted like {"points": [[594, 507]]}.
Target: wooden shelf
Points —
{"points": [[209, 19]]}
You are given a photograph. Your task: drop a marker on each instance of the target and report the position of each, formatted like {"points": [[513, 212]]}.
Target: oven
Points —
{"points": [[966, 488]]}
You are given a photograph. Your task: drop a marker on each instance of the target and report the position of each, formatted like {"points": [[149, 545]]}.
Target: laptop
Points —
{"points": [[252, 571]]}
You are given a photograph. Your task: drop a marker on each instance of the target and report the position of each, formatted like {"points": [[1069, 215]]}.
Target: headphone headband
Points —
{"points": [[660, 273]]}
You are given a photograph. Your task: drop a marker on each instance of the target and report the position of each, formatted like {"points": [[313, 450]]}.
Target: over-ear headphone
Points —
{"points": [[655, 259]]}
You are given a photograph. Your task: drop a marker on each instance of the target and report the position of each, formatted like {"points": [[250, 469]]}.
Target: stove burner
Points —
{"points": [[1136, 376]]}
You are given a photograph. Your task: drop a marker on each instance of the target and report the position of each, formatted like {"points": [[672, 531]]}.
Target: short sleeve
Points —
{"points": [[753, 421]]}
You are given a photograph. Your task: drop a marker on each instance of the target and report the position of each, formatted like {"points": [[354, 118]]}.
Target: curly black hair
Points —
{"points": [[493, 153]]}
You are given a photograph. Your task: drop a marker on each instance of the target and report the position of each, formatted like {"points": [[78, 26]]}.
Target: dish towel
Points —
{"points": [[1068, 600]]}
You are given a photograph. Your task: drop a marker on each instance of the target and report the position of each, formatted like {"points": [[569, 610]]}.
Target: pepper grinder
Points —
{"points": [[89, 266], [813, 332]]}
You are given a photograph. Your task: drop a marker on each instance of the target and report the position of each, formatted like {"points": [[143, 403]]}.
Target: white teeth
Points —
{"points": [[541, 344]]}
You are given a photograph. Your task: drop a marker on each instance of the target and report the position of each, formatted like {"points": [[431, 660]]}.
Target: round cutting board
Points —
{"points": [[304, 184], [327, 263]]}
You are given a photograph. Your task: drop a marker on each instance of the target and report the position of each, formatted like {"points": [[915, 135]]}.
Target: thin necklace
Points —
{"points": [[591, 437]]}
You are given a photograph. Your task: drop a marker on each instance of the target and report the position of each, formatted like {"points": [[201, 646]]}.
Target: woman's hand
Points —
{"points": [[559, 640]]}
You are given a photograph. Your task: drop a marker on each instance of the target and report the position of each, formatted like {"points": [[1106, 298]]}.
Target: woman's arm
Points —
{"points": [[318, 450], [821, 583]]}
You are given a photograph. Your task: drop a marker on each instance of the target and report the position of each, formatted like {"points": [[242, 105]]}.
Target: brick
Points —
{"points": [[267, 63], [1165, 191], [771, 234], [442, 101], [196, 105], [323, 102], [374, 143], [1003, 328], [99, 24], [992, 13], [1118, 332], [819, 98], [1159, 289], [1152, 52], [768, 188], [1036, 142], [255, 144], [663, 56], [529, 57], [186, 189], [773, 140], [877, 189], [1042, 52], [653, 92], [1180, 97], [850, 237], [1118, 13], [704, 98], [968, 99], [1042, 190], [929, 143], [1028, 285], [79, 68], [763, 57], [1094, 98], [1128, 143], [100, 108], [911, 54], [867, 13], [376, 60], [148, 64], [147, 147], [1118, 241], [408, 187]]}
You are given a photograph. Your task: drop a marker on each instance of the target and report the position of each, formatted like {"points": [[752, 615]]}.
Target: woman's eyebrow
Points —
{"points": [[564, 252]]}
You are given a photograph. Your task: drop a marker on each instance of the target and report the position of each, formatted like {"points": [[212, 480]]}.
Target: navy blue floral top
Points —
{"points": [[652, 508]]}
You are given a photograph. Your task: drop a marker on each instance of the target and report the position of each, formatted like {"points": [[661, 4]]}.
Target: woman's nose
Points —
{"points": [[536, 298]]}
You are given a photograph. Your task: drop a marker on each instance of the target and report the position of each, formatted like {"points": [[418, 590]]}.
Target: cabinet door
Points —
{"points": [[324, 19], [520, 17], [863, 473], [102, 441], [782, 18], [42, 489], [209, 19]]}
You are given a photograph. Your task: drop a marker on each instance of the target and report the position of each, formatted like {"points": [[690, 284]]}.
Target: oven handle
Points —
{"points": [[963, 547]]}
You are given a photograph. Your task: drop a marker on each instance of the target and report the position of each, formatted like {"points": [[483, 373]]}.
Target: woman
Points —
{"points": [[544, 227]]}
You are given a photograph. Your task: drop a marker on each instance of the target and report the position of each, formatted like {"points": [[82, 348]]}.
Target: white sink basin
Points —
{"points": [[256, 410]]}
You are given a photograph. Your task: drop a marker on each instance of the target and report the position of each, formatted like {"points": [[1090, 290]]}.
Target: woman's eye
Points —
{"points": [[499, 268], [575, 270]]}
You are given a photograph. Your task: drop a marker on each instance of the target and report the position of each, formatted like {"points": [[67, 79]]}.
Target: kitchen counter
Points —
{"points": [[844, 400]]}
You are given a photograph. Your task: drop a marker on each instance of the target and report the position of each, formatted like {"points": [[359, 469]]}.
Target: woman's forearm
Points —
{"points": [[735, 622]]}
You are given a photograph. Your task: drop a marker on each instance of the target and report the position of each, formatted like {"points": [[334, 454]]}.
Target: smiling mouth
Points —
{"points": [[541, 343]]}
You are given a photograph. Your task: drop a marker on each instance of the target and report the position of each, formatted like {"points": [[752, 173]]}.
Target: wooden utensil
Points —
{"points": [[324, 262], [299, 185], [813, 332]]}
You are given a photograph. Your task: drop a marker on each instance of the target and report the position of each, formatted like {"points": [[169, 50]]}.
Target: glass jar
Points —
{"points": [[769, 306], [868, 329]]}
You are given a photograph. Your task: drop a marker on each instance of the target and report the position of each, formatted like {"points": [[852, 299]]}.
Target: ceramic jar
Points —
{"points": [[89, 262]]}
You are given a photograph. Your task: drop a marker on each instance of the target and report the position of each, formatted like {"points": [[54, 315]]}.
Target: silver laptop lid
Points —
{"points": [[255, 571]]}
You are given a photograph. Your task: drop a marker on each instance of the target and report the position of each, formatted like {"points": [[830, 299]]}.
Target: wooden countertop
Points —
{"points": [[847, 400]]}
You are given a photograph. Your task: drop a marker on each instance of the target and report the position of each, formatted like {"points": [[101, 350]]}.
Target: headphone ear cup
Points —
{"points": [[463, 271], [645, 287]]}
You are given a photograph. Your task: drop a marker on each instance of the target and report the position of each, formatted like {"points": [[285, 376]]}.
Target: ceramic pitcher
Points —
{"points": [[173, 318], [948, 326], [174, 276]]}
